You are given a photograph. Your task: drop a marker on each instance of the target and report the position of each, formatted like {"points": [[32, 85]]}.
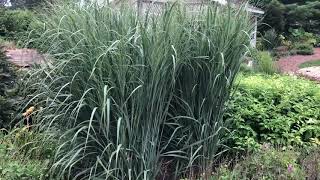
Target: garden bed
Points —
{"points": [[291, 64]]}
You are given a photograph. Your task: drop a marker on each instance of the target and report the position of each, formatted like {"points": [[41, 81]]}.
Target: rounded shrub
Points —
{"points": [[304, 49], [265, 63]]}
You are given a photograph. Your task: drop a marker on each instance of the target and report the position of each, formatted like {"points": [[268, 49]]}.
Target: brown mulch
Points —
{"points": [[291, 64], [24, 57]]}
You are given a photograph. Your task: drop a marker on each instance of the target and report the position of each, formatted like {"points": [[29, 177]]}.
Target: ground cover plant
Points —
{"points": [[137, 98], [280, 110], [25, 154], [310, 64]]}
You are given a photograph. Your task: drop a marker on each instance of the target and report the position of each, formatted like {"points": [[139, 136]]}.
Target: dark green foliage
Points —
{"points": [[280, 110], [274, 16], [285, 14], [14, 24], [305, 16], [29, 4], [270, 39], [263, 3], [303, 42], [7, 78], [304, 49], [260, 3]]}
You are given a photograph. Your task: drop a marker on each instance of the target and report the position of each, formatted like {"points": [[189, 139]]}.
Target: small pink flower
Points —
{"points": [[290, 168]]}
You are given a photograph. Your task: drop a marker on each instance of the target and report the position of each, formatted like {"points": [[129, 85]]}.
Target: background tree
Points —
{"points": [[274, 16], [305, 16], [282, 15]]}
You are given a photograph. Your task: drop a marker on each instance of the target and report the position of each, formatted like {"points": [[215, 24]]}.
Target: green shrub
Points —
{"points": [[271, 39], [264, 62], [301, 36], [280, 110], [317, 40], [305, 14], [304, 49], [136, 95], [265, 164], [14, 24], [11, 169]]}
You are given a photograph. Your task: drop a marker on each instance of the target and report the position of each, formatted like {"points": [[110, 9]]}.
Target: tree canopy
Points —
{"points": [[285, 14]]}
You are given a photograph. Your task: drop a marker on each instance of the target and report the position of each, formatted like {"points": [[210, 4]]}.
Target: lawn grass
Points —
{"points": [[310, 64]]}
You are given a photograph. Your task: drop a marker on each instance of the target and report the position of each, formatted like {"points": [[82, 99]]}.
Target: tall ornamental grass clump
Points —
{"points": [[137, 98]]}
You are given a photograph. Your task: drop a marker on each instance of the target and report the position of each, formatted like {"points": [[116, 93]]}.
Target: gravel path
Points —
{"points": [[291, 64]]}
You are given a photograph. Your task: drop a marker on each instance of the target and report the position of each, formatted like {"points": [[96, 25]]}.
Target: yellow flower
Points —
{"points": [[29, 111]]}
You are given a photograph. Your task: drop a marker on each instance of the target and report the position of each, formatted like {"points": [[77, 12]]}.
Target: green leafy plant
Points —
{"points": [[301, 36], [137, 98], [304, 49], [31, 144], [280, 110], [12, 169], [25, 154]]}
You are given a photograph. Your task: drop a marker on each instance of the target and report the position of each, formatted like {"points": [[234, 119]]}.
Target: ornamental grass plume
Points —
{"points": [[137, 98]]}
